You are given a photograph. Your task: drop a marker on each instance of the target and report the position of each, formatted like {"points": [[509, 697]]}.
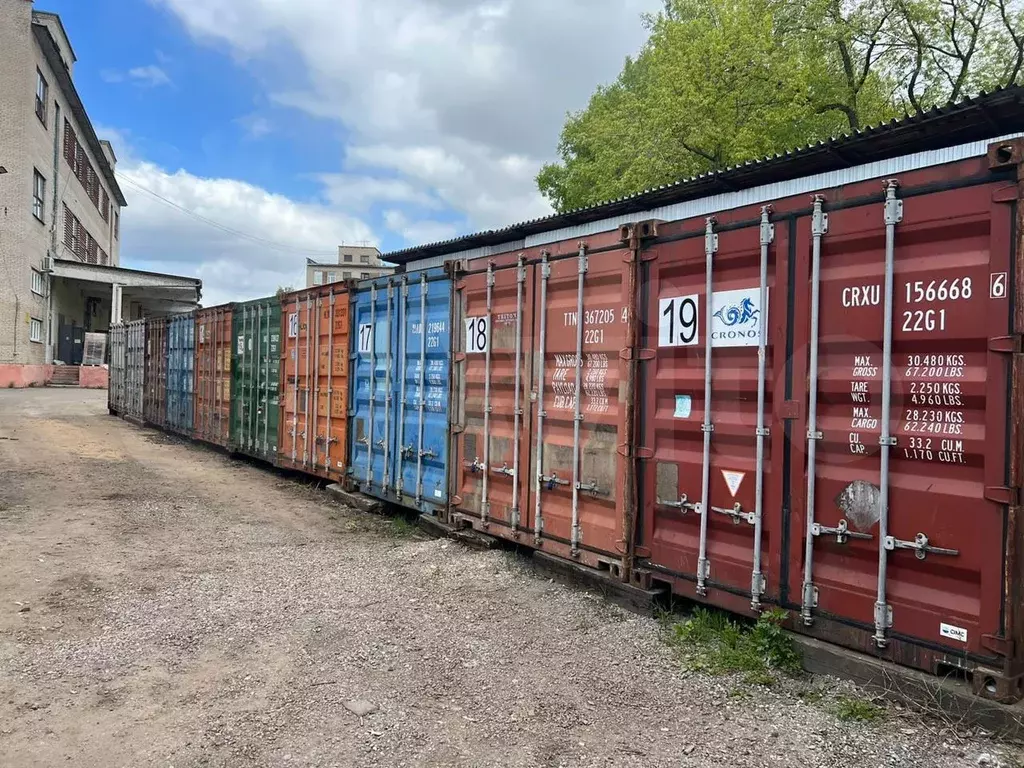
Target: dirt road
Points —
{"points": [[164, 605]]}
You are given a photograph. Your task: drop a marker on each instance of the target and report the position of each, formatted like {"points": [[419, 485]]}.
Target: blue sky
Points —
{"points": [[309, 122]]}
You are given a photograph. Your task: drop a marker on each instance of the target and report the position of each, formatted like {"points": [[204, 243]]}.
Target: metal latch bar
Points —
{"points": [[841, 531], [920, 546]]}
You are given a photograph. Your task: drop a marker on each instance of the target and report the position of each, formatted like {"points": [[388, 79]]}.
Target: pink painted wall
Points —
{"points": [[17, 376], [92, 377]]}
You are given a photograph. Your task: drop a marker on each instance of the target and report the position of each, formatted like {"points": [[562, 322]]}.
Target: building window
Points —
{"points": [[364, 259], [348, 275], [38, 195], [318, 277], [37, 282], [35, 330], [365, 275], [42, 93], [105, 210], [348, 258]]}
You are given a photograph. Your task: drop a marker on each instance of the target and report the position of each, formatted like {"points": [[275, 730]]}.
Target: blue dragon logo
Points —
{"points": [[738, 315]]}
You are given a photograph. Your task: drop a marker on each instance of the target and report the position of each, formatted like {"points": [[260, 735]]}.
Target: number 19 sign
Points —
{"points": [[677, 321]]}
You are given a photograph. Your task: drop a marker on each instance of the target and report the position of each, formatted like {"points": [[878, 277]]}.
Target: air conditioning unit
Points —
{"points": [[48, 264]]}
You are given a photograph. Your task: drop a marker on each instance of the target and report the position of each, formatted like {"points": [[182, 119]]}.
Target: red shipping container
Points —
{"points": [[212, 421], [883, 511], [314, 370]]}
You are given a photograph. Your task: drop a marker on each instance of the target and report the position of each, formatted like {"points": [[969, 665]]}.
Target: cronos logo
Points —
{"points": [[736, 317]]}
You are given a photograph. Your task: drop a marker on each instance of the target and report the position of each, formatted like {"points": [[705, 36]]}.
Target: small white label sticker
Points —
{"points": [[241, 345], [202, 334], [733, 480], [683, 406], [437, 493], [953, 633]]}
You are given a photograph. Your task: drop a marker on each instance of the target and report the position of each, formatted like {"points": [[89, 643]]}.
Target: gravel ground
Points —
{"points": [[163, 605]]}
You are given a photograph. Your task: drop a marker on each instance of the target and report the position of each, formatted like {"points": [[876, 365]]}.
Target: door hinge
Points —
{"points": [[1001, 494], [1007, 345], [999, 645], [635, 452]]}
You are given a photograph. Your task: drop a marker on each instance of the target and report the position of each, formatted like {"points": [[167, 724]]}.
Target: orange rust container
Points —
{"points": [[212, 419], [314, 376], [541, 442]]}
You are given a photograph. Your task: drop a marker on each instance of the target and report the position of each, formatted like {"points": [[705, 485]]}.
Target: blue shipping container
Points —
{"points": [[181, 358], [400, 388]]}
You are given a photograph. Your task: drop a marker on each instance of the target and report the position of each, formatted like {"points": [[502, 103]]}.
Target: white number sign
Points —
{"points": [[997, 285], [365, 338], [293, 325], [677, 321], [478, 334]]}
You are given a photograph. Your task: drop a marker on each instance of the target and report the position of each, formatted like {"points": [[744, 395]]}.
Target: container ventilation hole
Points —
{"points": [[1005, 154]]}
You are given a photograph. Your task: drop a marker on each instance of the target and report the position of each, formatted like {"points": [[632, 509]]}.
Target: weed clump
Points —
{"points": [[710, 641]]}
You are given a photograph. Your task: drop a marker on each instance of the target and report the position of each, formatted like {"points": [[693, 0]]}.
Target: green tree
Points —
{"points": [[720, 82], [282, 290]]}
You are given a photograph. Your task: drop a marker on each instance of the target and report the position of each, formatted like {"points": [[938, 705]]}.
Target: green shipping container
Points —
{"points": [[256, 378]]}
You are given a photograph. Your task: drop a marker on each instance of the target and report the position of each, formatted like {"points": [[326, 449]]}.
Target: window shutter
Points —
{"points": [[69, 228], [69, 143]]}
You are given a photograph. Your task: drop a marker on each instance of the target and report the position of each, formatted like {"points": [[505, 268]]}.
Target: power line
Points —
{"points": [[223, 227]]}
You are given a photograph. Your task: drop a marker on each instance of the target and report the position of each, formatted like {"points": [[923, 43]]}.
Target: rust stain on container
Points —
{"points": [[212, 421], [314, 374]]}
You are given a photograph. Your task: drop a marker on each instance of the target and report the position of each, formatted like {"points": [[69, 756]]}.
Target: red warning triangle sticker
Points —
{"points": [[733, 480]]}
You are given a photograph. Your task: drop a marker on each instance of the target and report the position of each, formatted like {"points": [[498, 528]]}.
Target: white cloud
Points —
{"points": [[354, 192], [414, 232], [279, 233], [464, 98], [149, 76], [255, 126]]}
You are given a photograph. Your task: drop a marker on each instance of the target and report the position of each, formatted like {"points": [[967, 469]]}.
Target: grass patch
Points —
{"points": [[401, 528], [710, 641], [856, 710]]}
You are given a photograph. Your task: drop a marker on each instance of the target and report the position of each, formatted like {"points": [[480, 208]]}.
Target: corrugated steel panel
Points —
{"points": [[768, 192], [181, 357], [154, 403], [256, 378], [883, 535], [214, 345], [468, 255], [544, 400], [314, 388], [127, 368], [400, 390]]}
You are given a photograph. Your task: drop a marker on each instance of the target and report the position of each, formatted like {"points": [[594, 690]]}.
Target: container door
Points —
{"points": [[491, 431], [583, 344], [332, 384], [372, 436], [422, 391], [712, 494], [907, 522], [301, 314]]}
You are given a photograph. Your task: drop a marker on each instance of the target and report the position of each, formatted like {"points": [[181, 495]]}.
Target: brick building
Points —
{"points": [[60, 206]]}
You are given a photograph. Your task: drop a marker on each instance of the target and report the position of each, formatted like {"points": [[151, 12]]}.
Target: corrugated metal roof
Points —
{"points": [[953, 127]]}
